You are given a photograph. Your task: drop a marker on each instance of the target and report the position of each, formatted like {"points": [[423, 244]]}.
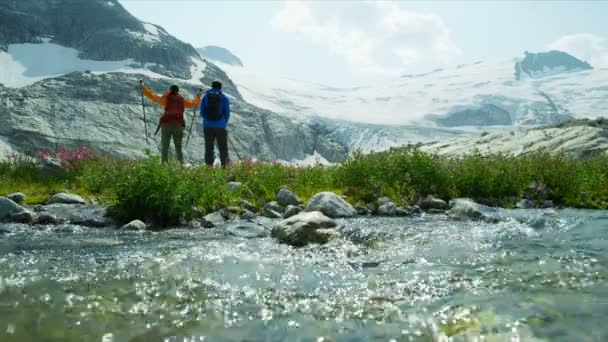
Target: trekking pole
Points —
{"points": [[200, 91], [143, 108], [235, 151]]}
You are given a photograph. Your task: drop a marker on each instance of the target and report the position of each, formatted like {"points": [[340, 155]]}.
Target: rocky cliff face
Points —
{"points": [[577, 138], [67, 111], [100, 29], [542, 64], [219, 54]]}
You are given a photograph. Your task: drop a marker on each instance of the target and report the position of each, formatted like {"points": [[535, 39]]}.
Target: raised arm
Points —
{"points": [[161, 100], [195, 102]]}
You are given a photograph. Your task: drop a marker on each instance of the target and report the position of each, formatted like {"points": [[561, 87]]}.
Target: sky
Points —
{"points": [[351, 43]]}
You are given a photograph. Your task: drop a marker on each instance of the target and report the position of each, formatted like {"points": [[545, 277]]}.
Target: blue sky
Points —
{"points": [[351, 43]]}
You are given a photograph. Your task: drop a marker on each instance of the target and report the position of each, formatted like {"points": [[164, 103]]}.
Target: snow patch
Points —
{"points": [[110, 3], [147, 37], [24, 65], [310, 160], [152, 29], [197, 70]]}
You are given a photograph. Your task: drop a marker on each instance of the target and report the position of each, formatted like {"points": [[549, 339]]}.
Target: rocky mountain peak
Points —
{"points": [[219, 54], [100, 30], [537, 65]]}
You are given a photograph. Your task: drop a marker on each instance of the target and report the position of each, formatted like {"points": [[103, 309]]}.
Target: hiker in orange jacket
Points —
{"points": [[172, 122]]}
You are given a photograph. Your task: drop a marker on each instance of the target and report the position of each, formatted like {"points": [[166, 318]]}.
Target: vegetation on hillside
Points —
{"points": [[145, 189]]}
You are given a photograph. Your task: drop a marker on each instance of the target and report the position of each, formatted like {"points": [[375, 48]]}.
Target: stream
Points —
{"points": [[538, 276]]}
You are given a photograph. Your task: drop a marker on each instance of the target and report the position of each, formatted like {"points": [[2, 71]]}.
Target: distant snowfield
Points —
{"points": [[25, 64], [409, 99]]}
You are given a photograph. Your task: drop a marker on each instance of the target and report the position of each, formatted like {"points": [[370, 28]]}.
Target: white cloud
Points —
{"points": [[586, 46], [382, 33]]}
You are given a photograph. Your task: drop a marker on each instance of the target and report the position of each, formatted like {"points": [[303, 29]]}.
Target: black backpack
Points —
{"points": [[214, 106]]}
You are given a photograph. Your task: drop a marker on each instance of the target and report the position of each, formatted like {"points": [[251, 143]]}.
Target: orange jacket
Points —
{"points": [[162, 100]]}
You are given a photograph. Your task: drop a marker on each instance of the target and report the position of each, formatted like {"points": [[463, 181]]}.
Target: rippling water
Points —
{"points": [[414, 279]]}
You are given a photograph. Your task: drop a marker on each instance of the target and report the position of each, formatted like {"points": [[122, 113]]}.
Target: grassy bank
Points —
{"points": [[145, 189]]}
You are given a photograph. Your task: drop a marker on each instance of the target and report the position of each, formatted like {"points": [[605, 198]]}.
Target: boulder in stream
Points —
{"points": [[80, 214], [135, 225], [467, 209], [387, 209], [25, 217], [430, 202], [247, 230], [8, 207], [65, 198], [331, 205], [213, 220], [305, 228]]}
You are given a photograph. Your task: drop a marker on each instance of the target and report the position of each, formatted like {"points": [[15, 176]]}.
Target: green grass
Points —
{"points": [[164, 194]]}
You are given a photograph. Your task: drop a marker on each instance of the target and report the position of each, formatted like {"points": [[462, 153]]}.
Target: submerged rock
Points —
{"points": [[331, 205], [25, 217], [136, 225], [430, 202], [17, 197], [247, 230], [467, 209], [305, 228], [45, 218], [80, 214], [286, 197], [65, 198]]}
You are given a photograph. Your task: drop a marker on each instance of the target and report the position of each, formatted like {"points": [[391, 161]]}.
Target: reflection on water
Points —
{"points": [[414, 279]]}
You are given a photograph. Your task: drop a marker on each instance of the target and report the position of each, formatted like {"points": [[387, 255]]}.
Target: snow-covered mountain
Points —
{"points": [[534, 89], [69, 76], [70, 70]]}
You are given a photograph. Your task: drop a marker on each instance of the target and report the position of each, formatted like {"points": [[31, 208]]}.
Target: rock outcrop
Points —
{"points": [[578, 138]]}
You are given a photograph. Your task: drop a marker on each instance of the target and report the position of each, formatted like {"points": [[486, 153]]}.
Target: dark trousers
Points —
{"points": [[211, 135]]}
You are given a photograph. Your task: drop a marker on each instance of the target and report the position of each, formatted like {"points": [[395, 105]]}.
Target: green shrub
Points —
{"points": [[164, 194]]}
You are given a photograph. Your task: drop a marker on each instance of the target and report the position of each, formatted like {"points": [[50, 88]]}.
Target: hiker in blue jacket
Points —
{"points": [[215, 110]]}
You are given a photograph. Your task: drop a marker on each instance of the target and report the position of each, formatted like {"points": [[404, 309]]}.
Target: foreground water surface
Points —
{"points": [[398, 279]]}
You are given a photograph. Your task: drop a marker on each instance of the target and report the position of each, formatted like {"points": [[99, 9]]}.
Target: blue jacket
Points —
{"points": [[223, 122]]}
